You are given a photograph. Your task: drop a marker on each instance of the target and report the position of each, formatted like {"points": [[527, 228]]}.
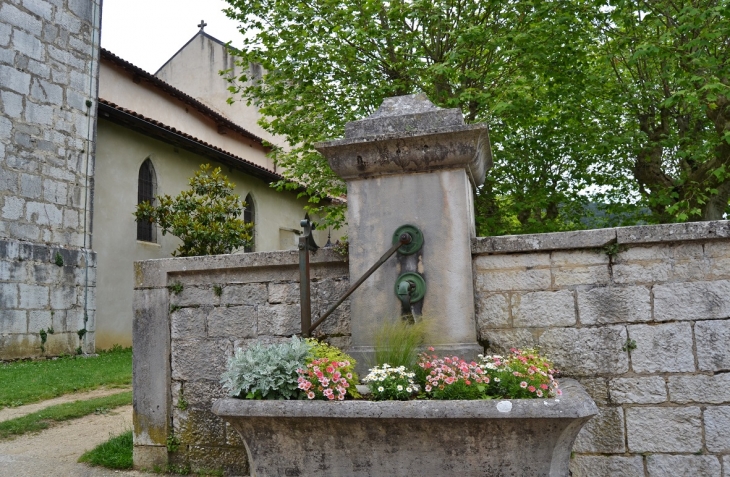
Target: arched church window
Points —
{"points": [[249, 217], [146, 190]]}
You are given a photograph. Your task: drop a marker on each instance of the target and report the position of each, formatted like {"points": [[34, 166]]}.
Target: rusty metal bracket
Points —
{"points": [[306, 243]]}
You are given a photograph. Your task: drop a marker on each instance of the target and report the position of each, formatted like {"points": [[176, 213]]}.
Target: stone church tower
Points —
{"points": [[49, 52]]}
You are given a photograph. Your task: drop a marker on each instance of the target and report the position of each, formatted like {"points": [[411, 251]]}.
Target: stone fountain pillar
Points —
{"points": [[412, 163]]}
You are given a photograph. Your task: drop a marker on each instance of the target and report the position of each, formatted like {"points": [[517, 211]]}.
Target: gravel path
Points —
{"points": [[54, 452]]}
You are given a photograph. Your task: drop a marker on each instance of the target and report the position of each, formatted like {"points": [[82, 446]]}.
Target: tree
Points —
{"points": [[207, 217], [536, 71], [669, 78]]}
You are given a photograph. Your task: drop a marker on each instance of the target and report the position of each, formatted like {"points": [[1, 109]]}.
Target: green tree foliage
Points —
{"points": [[666, 65], [207, 217], [564, 85]]}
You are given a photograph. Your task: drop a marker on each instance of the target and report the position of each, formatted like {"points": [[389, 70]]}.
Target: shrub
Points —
{"points": [[207, 217], [266, 372]]}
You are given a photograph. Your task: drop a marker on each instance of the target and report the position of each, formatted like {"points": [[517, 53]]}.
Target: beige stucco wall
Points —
{"points": [[117, 85], [120, 152], [195, 70]]}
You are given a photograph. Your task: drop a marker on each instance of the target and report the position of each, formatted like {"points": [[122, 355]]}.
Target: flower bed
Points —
{"points": [[525, 437], [445, 417]]}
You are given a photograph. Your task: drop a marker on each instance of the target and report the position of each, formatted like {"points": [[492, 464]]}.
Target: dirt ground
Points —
{"points": [[54, 452]]}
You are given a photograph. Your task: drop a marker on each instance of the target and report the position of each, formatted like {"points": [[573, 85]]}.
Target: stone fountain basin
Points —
{"points": [[519, 437]]}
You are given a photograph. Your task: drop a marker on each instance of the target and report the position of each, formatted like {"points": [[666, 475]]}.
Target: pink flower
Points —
{"points": [[348, 375], [330, 397], [523, 384], [449, 380], [531, 389], [428, 388], [330, 369], [544, 386], [310, 395], [539, 393], [559, 392], [336, 376]]}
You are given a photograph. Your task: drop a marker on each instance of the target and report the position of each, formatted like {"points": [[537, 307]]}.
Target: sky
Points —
{"points": [[148, 32]]}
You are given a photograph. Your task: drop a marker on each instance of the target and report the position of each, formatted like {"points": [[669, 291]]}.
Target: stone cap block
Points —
{"points": [[596, 238], [408, 134], [574, 403], [153, 273], [404, 114], [541, 242], [716, 229]]}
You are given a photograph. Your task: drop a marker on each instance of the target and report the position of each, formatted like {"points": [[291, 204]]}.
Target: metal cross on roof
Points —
{"points": [[202, 25]]}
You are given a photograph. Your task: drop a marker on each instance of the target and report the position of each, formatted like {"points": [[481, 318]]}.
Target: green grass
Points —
{"points": [[116, 453], [40, 420], [25, 382]]}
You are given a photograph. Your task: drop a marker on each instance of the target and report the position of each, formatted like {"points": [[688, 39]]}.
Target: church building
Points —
{"points": [[154, 131]]}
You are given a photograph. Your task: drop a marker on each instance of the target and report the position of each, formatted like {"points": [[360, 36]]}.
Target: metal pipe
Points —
{"points": [[305, 300], [404, 239]]}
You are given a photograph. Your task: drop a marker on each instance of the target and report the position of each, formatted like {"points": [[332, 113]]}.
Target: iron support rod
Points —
{"points": [[304, 290], [405, 239]]}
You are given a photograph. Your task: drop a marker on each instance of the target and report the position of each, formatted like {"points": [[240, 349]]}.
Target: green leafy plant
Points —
{"points": [[173, 443], [612, 249], [44, 336], [182, 403], [266, 372], [217, 290], [207, 217], [81, 333], [629, 345], [176, 288], [58, 259]]}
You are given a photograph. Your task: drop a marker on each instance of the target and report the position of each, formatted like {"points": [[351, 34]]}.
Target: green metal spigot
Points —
{"points": [[405, 288], [410, 288]]}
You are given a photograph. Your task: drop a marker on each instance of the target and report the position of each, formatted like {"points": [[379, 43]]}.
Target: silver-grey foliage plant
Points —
{"points": [[266, 372]]}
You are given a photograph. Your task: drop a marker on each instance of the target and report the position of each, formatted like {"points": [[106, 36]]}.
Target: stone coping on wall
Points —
{"points": [[153, 273], [597, 238]]}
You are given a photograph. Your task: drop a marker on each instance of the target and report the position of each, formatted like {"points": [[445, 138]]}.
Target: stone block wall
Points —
{"points": [[43, 292], [49, 68], [190, 316], [641, 317]]}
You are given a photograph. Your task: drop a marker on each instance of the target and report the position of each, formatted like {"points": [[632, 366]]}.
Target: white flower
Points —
{"points": [[399, 387], [381, 389]]}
